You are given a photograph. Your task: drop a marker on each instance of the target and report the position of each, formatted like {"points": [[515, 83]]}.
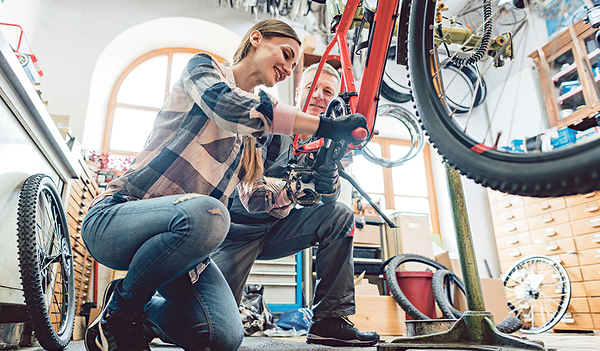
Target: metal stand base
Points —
{"points": [[473, 331]]}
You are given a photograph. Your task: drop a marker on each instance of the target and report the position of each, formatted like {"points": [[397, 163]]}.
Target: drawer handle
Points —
{"points": [[85, 188], [547, 218], [81, 211], [550, 231], [594, 222], [506, 203], [79, 219], [515, 254], [82, 203], [592, 194], [509, 215], [567, 320], [513, 241], [597, 253], [552, 247], [512, 228], [544, 205], [593, 207], [556, 259]]}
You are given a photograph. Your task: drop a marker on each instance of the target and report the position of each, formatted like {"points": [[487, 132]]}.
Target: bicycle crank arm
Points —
{"points": [[355, 184]]}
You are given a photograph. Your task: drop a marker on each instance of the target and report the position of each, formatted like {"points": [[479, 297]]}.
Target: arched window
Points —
{"points": [[138, 95]]}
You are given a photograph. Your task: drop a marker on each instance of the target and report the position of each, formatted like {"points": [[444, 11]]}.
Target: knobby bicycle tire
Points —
{"points": [[440, 293], [568, 171], [508, 325], [390, 277], [46, 262]]}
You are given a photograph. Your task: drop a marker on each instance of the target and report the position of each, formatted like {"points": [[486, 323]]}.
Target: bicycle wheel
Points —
{"points": [[391, 266], [512, 142], [46, 262], [538, 291], [442, 283]]}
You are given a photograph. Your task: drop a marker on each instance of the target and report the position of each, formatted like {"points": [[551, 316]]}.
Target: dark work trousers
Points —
{"points": [[329, 226]]}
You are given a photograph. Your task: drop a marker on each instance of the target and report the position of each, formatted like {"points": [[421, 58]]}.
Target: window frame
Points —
{"points": [[113, 104], [388, 180]]}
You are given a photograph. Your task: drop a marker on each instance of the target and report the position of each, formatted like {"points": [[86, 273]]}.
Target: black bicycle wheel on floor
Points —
{"points": [[391, 266], [46, 262], [443, 283], [488, 152]]}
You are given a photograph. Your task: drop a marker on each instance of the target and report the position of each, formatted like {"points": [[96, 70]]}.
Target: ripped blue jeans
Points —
{"points": [[158, 241]]}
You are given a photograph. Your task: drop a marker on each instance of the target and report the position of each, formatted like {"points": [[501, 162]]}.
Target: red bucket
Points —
{"points": [[416, 286]]}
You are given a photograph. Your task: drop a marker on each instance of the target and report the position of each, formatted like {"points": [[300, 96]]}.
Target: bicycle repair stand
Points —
{"points": [[475, 330]]}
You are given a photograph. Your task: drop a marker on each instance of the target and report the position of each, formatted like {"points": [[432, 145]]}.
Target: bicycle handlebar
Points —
{"points": [[359, 133]]}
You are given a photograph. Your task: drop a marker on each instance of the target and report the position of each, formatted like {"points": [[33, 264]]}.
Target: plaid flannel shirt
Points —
{"points": [[195, 145]]}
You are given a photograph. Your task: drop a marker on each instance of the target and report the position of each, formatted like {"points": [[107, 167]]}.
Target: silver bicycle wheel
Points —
{"points": [[538, 291]]}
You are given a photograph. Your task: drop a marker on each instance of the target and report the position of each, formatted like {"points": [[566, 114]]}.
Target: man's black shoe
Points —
{"points": [[339, 331]]}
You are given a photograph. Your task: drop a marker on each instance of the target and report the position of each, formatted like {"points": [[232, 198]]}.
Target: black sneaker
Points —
{"points": [[339, 332], [91, 340], [120, 333], [115, 332]]}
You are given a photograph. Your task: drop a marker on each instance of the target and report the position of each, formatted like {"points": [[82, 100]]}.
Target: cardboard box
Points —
{"points": [[368, 235], [413, 235], [494, 298], [380, 314]]}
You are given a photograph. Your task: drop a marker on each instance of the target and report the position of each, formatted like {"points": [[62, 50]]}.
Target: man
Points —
{"points": [[328, 225]]}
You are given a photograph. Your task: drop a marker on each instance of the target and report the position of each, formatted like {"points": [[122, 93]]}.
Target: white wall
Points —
{"points": [[70, 36], [83, 46]]}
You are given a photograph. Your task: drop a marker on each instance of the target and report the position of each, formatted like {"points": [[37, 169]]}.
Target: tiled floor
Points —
{"points": [[558, 341]]}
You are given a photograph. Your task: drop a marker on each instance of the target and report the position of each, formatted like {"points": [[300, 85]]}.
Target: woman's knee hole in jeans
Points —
{"points": [[210, 220]]}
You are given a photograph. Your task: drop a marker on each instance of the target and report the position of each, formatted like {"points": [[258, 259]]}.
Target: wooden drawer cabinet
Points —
{"points": [[576, 321], [586, 210], [545, 206], [578, 290], [594, 303], [515, 253], [512, 228], [590, 273], [581, 199], [506, 204], [592, 288], [567, 259], [588, 241], [566, 229], [509, 216], [588, 257], [513, 240], [81, 192], [574, 274], [552, 233], [553, 247], [548, 219], [578, 305]]}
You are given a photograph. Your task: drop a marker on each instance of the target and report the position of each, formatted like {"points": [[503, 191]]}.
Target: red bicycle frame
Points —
{"points": [[368, 96]]}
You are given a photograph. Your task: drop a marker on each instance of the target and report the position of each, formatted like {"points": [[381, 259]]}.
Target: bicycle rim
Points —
{"points": [[538, 291], [46, 262], [508, 143]]}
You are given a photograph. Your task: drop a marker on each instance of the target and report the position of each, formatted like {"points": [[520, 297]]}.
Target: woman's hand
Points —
{"points": [[340, 128]]}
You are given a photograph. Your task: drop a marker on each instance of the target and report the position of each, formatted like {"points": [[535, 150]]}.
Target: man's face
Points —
{"points": [[327, 88]]}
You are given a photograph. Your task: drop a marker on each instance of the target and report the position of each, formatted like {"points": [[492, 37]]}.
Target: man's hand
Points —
{"points": [[326, 179], [340, 128]]}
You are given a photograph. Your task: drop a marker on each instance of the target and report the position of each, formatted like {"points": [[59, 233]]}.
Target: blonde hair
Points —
{"points": [[252, 168], [327, 68], [268, 29]]}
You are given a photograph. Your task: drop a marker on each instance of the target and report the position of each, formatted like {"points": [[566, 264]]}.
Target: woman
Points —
{"points": [[161, 219]]}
